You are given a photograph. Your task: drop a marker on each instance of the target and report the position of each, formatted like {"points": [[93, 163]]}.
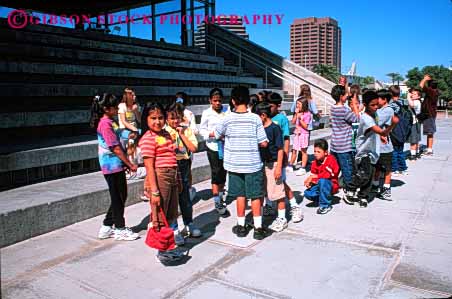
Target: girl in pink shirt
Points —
{"points": [[301, 119]]}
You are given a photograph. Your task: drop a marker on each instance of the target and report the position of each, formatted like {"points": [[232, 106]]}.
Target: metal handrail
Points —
{"points": [[306, 70], [294, 80], [263, 48], [288, 71], [261, 65]]}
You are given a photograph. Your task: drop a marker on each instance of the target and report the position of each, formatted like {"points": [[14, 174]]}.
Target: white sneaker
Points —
{"points": [[105, 232], [192, 231], [296, 213], [192, 193], [125, 234], [278, 225], [300, 171], [178, 238], [269, 210]]}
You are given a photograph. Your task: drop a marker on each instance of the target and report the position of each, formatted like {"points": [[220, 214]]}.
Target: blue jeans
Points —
{"points": [[185, 203], [320, 192], [398, 159], [345, 161]]}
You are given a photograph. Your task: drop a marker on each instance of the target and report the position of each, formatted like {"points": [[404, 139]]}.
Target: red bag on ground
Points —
{"points": [[160, 238]]}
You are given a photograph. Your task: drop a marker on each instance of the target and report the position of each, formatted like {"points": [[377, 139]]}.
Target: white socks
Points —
{"points": [[387, 185], [282, 213], [218, 197], [241, 221], [293, 202], [257, 221], [413, 152]]}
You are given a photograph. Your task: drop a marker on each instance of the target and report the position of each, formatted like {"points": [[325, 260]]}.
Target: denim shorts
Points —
{"points": [[249, 185]]}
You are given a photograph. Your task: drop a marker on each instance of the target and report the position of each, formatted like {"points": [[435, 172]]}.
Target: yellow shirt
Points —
{"points": [[182, 153]]}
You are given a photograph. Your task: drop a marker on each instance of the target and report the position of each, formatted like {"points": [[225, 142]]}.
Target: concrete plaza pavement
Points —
{"points": [[392, 249]]}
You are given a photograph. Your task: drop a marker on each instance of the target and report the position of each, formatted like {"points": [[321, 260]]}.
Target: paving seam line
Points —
{"points": [[234, 285], [388, 275], [48, 265], [433, 292], [226, 259], [362, 245], [245, 248], [83, 284]]}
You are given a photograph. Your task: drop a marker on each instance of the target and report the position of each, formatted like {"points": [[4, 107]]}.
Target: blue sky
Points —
{"points": [[381, 36]]}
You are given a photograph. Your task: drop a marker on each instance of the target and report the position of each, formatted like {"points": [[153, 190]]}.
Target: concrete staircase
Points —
{"points": [[50, 75]]}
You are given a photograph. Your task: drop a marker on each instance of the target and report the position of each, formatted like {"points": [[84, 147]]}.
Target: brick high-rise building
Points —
{"points": [[315, 41]]}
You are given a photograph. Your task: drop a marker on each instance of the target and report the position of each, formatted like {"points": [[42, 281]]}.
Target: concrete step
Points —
{"points": [[40, 208], [85, 57], [26, 162], [72, 39], [80, 71], [66, 117]]}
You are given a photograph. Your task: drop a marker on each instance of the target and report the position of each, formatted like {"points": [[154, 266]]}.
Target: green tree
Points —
{"points": [[366, 81], [363, 81], [327, 71], [439, 73], [399, 78], [395, 77], [414, 76]]}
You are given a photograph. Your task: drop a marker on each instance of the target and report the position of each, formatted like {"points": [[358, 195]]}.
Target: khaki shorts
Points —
{"points": [[274, 189]]}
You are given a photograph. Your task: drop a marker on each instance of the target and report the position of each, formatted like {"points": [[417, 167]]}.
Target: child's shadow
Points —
{"points": [[206, 222], [202, 195], [335, 199], [397, 183]]}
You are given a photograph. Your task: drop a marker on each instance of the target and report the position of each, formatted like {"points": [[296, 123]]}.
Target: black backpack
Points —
{"points": [[402, 130]]}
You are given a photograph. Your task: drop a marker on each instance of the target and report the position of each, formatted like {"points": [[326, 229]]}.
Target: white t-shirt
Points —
{"points": [[190, 121], [130, 116], [417, 106], [367, 141], [209, 120]]}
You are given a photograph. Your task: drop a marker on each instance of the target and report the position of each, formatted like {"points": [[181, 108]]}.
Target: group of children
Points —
{"points": [[368, 158], [250, 145]]}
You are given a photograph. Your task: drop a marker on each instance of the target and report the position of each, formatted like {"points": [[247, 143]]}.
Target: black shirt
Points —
{"points": [[275, 143]]}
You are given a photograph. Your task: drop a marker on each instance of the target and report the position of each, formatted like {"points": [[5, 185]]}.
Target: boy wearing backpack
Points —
{"points": [[386, 119], [401, 132]]}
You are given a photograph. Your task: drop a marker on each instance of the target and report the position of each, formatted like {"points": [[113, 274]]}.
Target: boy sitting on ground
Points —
{"points": [[323, 182]]}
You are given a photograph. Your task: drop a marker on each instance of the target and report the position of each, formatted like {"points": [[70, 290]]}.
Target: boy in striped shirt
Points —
{"points": [[244, 134], [342, 118]]}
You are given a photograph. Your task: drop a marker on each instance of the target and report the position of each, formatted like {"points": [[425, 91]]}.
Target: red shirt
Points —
{"points": [[429, 105], [328, 169], [159, 146]]}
